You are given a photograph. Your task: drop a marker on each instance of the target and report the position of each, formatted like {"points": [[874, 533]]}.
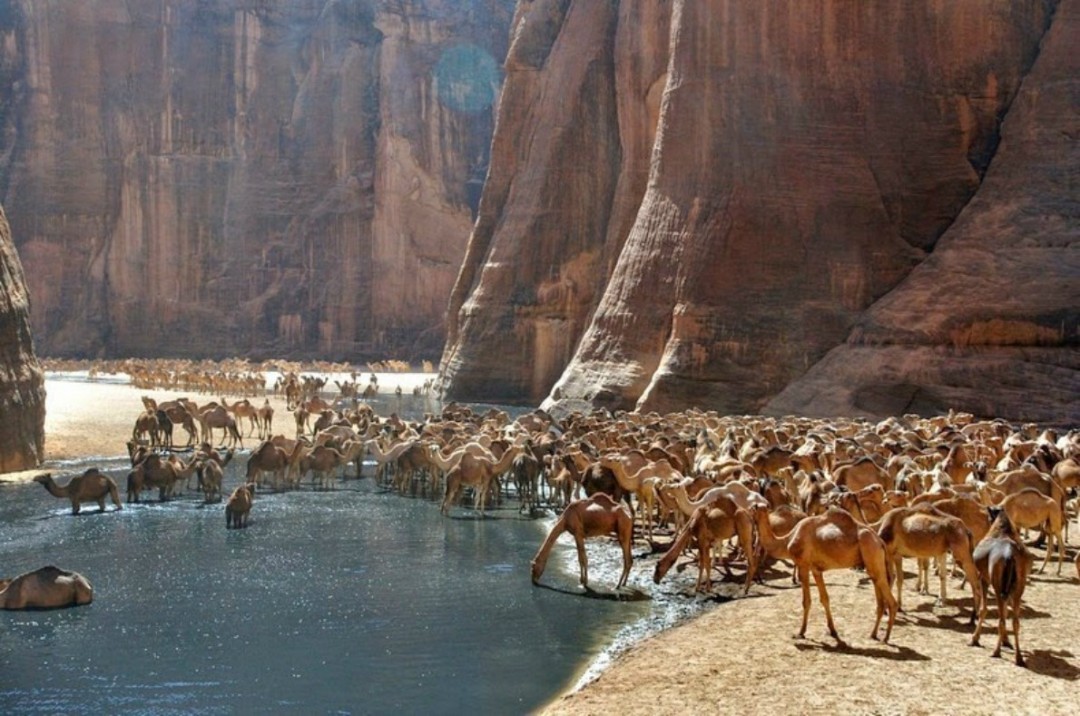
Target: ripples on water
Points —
{"points": [[355, 600]]}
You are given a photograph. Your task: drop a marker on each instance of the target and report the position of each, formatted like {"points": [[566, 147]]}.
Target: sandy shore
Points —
{"points": [[740, 656]]}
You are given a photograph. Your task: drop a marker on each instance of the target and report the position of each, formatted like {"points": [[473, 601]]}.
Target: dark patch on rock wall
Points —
{"points": [[22, 384], [258, 177], [802, 160]]}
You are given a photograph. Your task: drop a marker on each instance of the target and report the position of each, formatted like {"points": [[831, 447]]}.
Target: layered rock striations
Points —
{"points": [[991, 320], [22, 384], [250, 177], [700, 217]]}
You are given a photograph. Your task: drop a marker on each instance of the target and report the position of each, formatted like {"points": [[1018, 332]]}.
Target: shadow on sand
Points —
{"points": [[1052, 663], [891, 652]]}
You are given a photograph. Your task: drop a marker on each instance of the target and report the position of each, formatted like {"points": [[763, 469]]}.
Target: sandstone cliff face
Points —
{"points": [[991, 320], [261, 177], [22, 384], [804, 159]]}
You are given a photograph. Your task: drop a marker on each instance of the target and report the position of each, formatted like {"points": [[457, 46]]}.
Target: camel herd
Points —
{"points": [[951, 492]]}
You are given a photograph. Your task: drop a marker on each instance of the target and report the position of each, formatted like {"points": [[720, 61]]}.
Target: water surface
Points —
{"points": [[348, 601]]}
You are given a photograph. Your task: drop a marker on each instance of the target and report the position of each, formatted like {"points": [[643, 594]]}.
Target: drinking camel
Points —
{"points": [[594, 516]]}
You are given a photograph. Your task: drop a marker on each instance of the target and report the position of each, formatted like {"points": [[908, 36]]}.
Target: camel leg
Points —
{"points": [[984, 607], [1014, 603], [804, 580], [899, 564], [626, 536], [943, 576], [583, 560], [75, 506], [1001, 626], [745, 530], [101, 503], [819, 579]]}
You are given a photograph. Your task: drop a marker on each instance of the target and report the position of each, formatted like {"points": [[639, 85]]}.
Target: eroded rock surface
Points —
{"points": [[699, 215], [230, 177], [22, 384]]}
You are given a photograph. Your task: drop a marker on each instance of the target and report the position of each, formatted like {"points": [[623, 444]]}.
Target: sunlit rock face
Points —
{"points": [[697, 203], [22, 385], [271, 177]]}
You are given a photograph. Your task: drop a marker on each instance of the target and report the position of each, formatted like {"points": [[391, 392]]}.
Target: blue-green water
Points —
{"points": [[353, 601]]}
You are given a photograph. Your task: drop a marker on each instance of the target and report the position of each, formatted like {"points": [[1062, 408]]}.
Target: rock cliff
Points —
{"points": [[259, 177], [697, 203], [22, 385]]}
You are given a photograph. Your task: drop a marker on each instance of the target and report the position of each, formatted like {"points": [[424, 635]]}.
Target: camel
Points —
{"points": [[1003, 564], [924, 532], [243, 409], [1030, 508], [179, 412], [735, 499], [265, 419], [834, 540], [146, 428], [156, 472], [861, 473], [593, 516], [215, 416], [772, 538], [91, 485], [321, 461], [238, 507], [526, 469], [478, 473], [268, 457], [45, 588], [211, 475], [707, 525]]}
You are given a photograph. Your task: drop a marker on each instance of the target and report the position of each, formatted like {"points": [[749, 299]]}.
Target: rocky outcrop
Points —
{"points": [[991, 320], [238, 177], [699, 216], [22, 384]]}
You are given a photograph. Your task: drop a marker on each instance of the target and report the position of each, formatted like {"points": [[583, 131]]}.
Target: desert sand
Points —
{"points": [[740, 656]]}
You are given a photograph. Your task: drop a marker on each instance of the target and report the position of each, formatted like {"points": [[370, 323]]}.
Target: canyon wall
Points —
{"points": [[748, 206], [257, 177], [22, 384]]}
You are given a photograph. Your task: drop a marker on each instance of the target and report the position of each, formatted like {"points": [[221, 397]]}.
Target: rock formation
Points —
{"points": [[22, 384], [698, 203], [258, 177]]}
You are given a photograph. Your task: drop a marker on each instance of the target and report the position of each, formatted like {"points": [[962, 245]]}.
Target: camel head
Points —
{"points": [[44, 478]]}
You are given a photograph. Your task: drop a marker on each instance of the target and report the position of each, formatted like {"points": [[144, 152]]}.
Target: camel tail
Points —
{"points": [[1009, 577]]}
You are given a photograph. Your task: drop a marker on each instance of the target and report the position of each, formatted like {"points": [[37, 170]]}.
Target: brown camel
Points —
{"points": [[1004, 564], [923, 532], [322, 461], [268, 457], [1028, 509], [45, 588], [211, 475], [238, 507], [213, 417], [862, 473], [154, 471], [593, 516], [774, 530], [478, 473], [242, 409], [265, 419], [707, 525], [833, 540], [92, 485], [146, 428], [179, 412]]}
